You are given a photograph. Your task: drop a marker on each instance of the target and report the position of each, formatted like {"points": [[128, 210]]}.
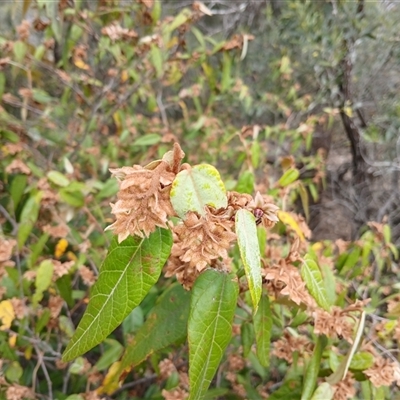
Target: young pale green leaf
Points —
{"points": [[246, 231], [58, 178], [166, 325], [289, 177], [315, 284], [311, 376], [129, 270], [28, 217], [362, 360], [43, 280], [197, 187], [157, 59], [147, 140], [212, 309], [323, 392], [262, 328]]}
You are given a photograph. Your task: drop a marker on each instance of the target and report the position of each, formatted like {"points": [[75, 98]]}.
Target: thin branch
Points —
{"points": [[45, 372], [8, 217], [130, 385], [162, 109]]}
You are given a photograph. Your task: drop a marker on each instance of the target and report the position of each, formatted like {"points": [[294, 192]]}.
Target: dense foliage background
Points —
{"points": [[296, 99]]}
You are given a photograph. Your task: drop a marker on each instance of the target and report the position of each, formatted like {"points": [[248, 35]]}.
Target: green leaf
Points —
{"points": [[262, 328], [113, 352], [157, 60], [108, 189], [312, 277], [130, 269], [66, 326], [17, 189], [330, 283], [58, 178], [362, 360], [28, 217], [37, 249], [226, 72], [323, 392], [255, 154], [387, 233], [77, 367], [133, 322], [43, 320], [2, 83], [197, 187], [247, 336], [289, 177], [64, 288], [245, 183], [43, 280], [246, 231], [147, 140], [75, 397], [290, 390], [165, 325], [304, 200], [311, 376], [262, 238], [14, 372], [179, 20], [212, 309], [75, 199], [19, 48]]}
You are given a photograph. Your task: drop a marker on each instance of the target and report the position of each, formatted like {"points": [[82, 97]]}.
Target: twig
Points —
{"points": [[133, 384], [162, 109], [45, 372], [13, 223], [36, 342]]}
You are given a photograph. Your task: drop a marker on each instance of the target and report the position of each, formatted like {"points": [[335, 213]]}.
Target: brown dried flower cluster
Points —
{"points": [[284, 348], [6, 248], [345, 389], [383, 372], [198, 242], [338, 322], [201, 241], [17, 392], [285, 279], [116, 32], [144, 196]]}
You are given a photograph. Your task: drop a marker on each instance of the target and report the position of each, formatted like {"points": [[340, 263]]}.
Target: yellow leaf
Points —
{"points": [[348, 111], [110, 382], [287, 219], [6, 314], [81, 64], [118, 122], [317, 246], [124, 75], [71, 256], [61, 246], [12, 340], [28, 353]]}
